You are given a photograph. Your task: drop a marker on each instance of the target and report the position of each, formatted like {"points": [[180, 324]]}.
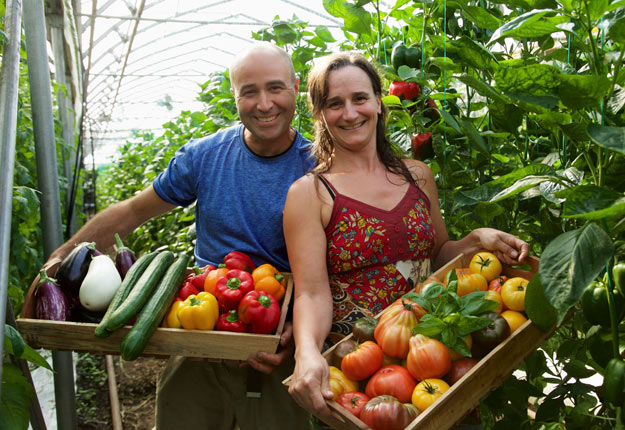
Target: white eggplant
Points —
{"points": [[100, 284]]}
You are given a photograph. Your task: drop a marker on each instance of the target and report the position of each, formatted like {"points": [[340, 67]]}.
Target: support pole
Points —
{"points": [[45, 150]]}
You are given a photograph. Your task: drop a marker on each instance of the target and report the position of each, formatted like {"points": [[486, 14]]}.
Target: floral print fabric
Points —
{"points": [[374, 255]]}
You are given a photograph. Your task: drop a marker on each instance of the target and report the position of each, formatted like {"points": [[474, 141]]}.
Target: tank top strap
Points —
{"points": [[329, 187]]}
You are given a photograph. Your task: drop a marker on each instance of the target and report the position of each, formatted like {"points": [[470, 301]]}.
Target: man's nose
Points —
{"points": [[264, 101]]}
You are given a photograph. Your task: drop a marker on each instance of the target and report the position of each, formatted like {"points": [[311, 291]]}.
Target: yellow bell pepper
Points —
{"points": [[199, 311], [171, 319], [267, 278]]}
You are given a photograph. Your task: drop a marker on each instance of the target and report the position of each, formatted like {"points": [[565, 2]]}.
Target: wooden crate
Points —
{"points": [[165, 342], [475, 385]]}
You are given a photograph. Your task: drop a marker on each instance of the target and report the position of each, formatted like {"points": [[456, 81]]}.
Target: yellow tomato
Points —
{"points": [[515, 319], [495, 297], [513, 293], [485, 264], [427, 392], [469, 282], [339, 383]]}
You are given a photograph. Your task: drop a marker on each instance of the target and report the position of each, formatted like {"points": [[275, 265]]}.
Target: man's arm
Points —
{"points": [[121, 218]]}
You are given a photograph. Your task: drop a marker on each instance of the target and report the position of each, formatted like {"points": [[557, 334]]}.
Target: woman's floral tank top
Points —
{"points": [[375, 255]]}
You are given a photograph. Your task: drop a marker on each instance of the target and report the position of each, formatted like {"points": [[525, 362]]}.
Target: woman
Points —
{"points": [[364, 226]]}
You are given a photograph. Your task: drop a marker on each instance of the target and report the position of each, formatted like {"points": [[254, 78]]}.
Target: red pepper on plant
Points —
{"points": [[239, 260], [231, 288], [405, 90], [422, 146], [260, 311], [230, 321], [431, 110]]}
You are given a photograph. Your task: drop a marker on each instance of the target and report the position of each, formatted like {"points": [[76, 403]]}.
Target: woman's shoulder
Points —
{"points": [[418, 169]]}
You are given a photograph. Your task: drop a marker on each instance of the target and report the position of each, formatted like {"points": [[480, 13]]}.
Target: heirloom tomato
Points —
{"points": [[341, 350], [393, 380], [495, 297], [339, 383], [364, 328], [486, 264], [496, 283], [387, 413], [394, 328], [353, 401], [513, 293], [514, 319], [427, 392], [363, 361], [484, 340], [469, 282], [459, 368], [427, 358]]}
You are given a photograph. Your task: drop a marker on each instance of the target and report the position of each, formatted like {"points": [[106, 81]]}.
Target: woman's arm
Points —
{"points": [[506, 247], [312, 309]]}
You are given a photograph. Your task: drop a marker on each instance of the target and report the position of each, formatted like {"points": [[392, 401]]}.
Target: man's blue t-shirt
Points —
{"points": [[240, 195]]}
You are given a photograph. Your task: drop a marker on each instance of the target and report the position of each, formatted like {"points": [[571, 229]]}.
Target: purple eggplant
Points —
{"points": [[50, 300], [125, 258], [73, 269]]}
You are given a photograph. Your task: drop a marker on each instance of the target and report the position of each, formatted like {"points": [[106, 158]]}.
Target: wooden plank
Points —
{"points": [[76, 336]]}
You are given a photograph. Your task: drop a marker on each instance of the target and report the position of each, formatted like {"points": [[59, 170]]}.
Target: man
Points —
{"points": [[239, 177]]}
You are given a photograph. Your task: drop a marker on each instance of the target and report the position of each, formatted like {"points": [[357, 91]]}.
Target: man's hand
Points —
{"points": [[267, 363]]}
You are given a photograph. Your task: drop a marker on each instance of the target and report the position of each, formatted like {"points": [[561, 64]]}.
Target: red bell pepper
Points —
{"points": [[199, 278], [422, 146], [431, 110], [407, 90], [260, 311], [230, 322], [239, 260], [231, 288], [187, 289]]}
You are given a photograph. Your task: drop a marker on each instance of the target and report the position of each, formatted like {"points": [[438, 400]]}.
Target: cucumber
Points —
{"points": [[133, 275], [140, 293], [154, 310]]}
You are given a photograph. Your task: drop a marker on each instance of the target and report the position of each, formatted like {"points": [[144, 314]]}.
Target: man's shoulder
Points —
{"points": [[224, 136]]}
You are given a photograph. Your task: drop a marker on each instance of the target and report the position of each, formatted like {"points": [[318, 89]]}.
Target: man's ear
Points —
{"points": [[234, 94]]}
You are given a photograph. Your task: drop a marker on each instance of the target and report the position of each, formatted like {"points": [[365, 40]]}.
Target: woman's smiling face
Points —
{"points": [[351, 109]]}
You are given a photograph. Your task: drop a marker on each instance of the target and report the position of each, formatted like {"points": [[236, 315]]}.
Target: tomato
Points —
{"points": [[496, 283], [363, 361], [486, 264], [393, 380], [341, 350], [427, 358], [459, 368], [364, 328], [513, 293], [387, 413], [353, 401], [495, 297], [427, 392], [469, 282], [514, 319], [427, 281], [340, 384], [394, 328], [489, 337], [456, 355]]}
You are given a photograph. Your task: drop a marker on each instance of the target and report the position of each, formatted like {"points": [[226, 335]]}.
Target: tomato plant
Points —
{"points": [[393, 380]]}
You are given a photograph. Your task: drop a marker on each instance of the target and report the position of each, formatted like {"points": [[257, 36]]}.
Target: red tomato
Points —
{"points": [[459, 368], [393, 380], [427, 358], [353, 401], [496, 283], [387, 413], [394, 328], [363, 361]]}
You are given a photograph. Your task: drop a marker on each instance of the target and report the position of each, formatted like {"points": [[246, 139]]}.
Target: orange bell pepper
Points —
{"points": [[210, 282], [267, 278]]}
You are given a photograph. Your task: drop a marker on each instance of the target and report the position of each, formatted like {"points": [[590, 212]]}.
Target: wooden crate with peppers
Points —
{"points": [[156, 306], [432, 386]]}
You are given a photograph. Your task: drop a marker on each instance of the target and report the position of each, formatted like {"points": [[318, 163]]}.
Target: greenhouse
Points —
{"points": [[331, 214]]}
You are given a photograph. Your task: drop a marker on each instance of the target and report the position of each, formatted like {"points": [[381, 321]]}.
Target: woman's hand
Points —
{"points": [[508, 248], [310, 386]]}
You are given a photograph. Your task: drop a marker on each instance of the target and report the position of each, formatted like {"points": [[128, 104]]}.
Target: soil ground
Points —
{"points": [[136, 389]]}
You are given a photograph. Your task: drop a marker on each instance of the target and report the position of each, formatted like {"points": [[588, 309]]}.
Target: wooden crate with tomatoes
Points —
{"points": [[444, 389], [197, 319]]}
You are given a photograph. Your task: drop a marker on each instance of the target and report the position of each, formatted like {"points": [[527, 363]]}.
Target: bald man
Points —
{"points": [[252, 164]]}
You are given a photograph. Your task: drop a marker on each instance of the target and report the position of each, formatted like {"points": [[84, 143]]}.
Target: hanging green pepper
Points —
{"points": [[596, 307], [405, 56], [618, 272], [614, 382]]}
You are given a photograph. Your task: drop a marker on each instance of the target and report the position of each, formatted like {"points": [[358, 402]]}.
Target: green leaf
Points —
{"points": [[483, 88], [612, 138], [324, 34], [391, 100], [473, 135], [596, 9], [616, 27], [356, 19], [592, 202], [577, 369], [473, 53], [449, 120], [16, 396], [532, 24], [581, 91], [537, 307], [480, 17], [13, 342], [570, 262], [535, 80]]}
